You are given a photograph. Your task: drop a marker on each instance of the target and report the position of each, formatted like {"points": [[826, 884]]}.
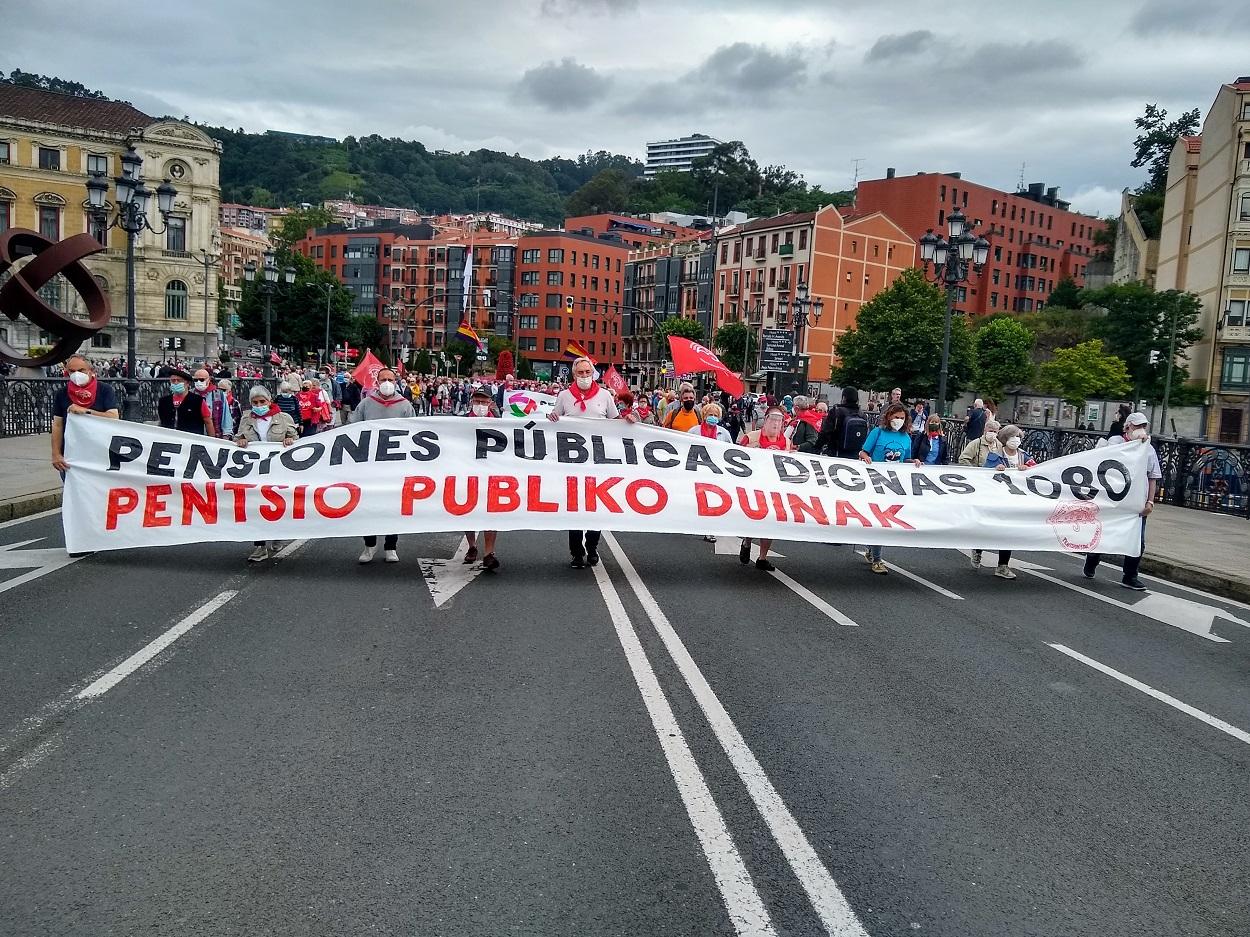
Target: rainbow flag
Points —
{"points": [[573, 351], [469, 335]]}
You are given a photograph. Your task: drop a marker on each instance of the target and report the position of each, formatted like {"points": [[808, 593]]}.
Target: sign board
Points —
{"points": [[776, 346], [481, 356]]}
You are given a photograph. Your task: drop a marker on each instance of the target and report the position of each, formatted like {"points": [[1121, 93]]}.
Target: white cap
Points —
{"points": [[1137, 418]]}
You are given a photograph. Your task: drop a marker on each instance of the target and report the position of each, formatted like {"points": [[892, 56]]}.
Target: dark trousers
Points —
{"points": [[1004, 557], [575, 542], [391, 541], [1131, 563]]}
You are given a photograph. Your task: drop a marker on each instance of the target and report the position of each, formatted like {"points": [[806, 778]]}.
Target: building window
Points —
{"points": [[176, 300], [555, 278], [555, 255], [554, 300], [528, 300], [176, 234], [551, 323], [551, 344], [6, 215], [1241, 257], [4, 153], [97, 227], [1236, 313], [803, 239], [1235, 374], [529, 277], [594, 261], [50, 222], [527, 322], [993, 300], [527, 343], [49, 158], [1244, 211], [531, 255], [101, 340]]}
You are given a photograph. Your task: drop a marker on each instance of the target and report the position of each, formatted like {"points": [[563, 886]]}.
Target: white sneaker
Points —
{"points": [[366, 555], [259, 555], [976, 559], [392, 556], [1004, 572]]}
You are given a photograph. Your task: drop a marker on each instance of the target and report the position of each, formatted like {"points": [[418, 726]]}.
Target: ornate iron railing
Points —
{"points": [[26, 403]]}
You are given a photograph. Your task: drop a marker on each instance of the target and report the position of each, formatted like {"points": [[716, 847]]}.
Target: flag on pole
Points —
{"points": [[467, 285], [573, 351], [468, 333], [691, 357], [613, 379], [366, 373]]}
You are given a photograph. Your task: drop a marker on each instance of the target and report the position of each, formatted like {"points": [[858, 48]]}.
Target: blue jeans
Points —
{"points": [[875, 552]]}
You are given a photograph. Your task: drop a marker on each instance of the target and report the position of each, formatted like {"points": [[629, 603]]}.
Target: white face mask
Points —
{"points": [[896, 424], [386, 388], [201, 385], [1138, 432], [79, 378], [990, 436], [1013, 442], [584, 381], [481, 409]]}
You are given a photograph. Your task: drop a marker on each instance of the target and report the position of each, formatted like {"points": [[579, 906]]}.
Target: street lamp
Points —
{"points": [[952, 262], [132, 217], [209, 258], [268, 286], [807, 313]]}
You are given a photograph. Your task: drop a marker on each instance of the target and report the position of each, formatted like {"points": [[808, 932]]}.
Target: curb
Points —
{"points": [[1214, 583], [26, 505]]}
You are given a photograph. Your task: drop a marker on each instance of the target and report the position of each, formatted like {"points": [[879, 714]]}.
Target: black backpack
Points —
{"points": [[854, 432]]}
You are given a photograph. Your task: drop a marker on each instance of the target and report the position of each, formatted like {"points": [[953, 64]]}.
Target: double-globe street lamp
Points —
{"points": [[209, 259], [131, 215], [268, 286], [807, 313], [953, 261]]}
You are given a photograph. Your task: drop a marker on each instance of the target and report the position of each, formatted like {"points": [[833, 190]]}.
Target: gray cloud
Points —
{"points": [[1164, 17], [563, 86], [570, 7], [751, 69], [994, 59], [900, 45]]}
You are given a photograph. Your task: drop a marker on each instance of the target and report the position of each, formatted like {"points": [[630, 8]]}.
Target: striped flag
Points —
{"points": [[573, 351], [467, 332]]}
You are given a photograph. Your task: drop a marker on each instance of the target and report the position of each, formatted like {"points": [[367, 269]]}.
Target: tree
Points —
{"points": [[1003, 353], [728, 175], [1153, 145], [366, 333], [423, 364], [609, 191], [679, 326], [1066, 295], [294, 225], [299, 310], [48, 83], [1137, 322], [525, 370], [731, 344], [1104, 238], [1085, 371], [897, 341], [504, 364]]}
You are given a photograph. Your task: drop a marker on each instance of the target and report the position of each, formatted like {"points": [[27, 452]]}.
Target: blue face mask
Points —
{"points": [[260, 409], [178, 388], [711, 420]]}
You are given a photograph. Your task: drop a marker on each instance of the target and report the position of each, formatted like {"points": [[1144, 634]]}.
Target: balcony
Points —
{"points": [[783, 286], [1240, 225], [757, 286], [1239, 278], [1235, 333], [179, 255], [785, 250], [760, 255], [1243, 167]]}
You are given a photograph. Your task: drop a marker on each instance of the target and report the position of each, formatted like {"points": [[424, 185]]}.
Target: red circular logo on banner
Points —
{"points": [[19, 296]]}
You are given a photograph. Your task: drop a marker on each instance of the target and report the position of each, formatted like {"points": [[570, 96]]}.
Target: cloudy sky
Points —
{"points": [[979, 87]]}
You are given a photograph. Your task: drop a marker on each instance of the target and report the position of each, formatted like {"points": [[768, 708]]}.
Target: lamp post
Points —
{"points": [[132, 217], [807, 313], [952, 261], [457, 358], [209, 258], [751, 314], [268, 286]]}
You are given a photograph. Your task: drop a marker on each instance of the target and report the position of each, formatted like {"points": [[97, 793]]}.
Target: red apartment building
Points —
{"points": [[635, 232], [1035, 239], [553, 266]]}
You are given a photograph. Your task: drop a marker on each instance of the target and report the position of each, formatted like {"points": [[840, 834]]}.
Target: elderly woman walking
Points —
{"points": [[264, 422]]}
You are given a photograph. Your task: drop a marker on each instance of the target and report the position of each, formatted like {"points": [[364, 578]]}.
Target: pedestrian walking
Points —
{"points": [[844, 429], [384, 402], [183, 409], [805, 427], [1008, 456], [770, 436], [84, 395], [978, 449], [481, 404], [929, 445], [1136, 430], [264, 422], [686, 414], [888, 442]]}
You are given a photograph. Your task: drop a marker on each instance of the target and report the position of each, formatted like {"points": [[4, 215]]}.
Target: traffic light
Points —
{"points": [[1154, 356], [568, 304]]}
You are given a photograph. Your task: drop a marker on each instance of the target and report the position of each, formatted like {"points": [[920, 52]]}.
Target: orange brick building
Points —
{"points": [[1035, 239]]}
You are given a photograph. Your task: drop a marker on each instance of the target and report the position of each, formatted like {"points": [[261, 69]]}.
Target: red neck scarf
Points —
{"points": [[581, 396], [643, 410], [772, 442], [385, 401], [82, 396], [708, 430]]}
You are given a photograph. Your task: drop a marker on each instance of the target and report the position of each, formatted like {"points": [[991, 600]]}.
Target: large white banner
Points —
{"points": [[133, 485]]}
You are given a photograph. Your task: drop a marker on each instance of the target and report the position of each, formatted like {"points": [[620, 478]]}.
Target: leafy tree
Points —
{"points": [[732, 341], [1155, 141], [1053, 327], [48, 83], [504, 365], [367, 333], [1104, 238], [1004, 356], [294, 226], [679, 326], [1148, 207], [1066, 295], [299, 310], [496, 345], [730, 173], [609, 191], [897, 341], [1138, 321], [422, 364], [1085, 371], [525, 370]]}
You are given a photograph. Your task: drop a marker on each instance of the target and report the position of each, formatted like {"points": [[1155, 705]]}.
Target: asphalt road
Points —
{"points": [[670, 744]]}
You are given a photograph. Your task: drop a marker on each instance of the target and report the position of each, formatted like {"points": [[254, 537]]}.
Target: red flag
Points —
{"points": [[691, 357], [366, 373], [613, 379], [401, 372]]}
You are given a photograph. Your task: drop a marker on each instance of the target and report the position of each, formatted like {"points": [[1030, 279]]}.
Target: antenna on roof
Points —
{"points": [[1020, 184], [855, 163]]}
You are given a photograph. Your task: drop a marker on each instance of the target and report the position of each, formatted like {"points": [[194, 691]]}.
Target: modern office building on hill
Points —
{"points": [[1035, 238], [678, 155]]}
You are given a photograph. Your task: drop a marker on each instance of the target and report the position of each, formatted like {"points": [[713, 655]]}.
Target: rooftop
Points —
{"points": [[67, 110]]}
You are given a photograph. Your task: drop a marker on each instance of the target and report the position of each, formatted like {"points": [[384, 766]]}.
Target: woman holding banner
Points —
{"points": [[889, 442], [264, 422], [771, 436], [481, 404]]}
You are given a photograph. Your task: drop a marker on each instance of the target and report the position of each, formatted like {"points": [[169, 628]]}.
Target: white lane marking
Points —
{"points": [[446, 577], [28, 761], [1173, 585], [1227, 728], [924, 582], [142, 656], [39, 562], [1168, 610], [29, 517], [289, 549], [831, 906], [816, 601], [729, 546], [742, 899]]}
